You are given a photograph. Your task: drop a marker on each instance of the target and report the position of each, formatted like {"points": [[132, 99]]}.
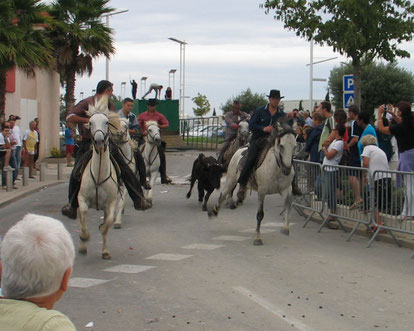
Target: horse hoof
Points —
{"points": [[238, 203], [258, 242], [106, 256], [284, 230], [233, 206], [86, 238], [188, 195], [204, 208], [100, 226], [117, 225], [83, 251]]}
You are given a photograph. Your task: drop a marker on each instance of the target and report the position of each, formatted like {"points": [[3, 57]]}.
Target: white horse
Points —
{"points": [[99, 185], [274, 175], [150, 154], [239, 141], [126, 148]]}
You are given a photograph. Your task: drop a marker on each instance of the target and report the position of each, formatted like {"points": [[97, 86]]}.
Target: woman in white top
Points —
{"points": [[375, 159], [333, 155]]}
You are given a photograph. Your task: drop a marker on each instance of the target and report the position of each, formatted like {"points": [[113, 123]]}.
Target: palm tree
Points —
{"points": [[78, 37], [23, 42]]}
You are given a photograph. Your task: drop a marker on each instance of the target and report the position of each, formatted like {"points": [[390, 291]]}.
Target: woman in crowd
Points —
{"points": [[403, 130]]}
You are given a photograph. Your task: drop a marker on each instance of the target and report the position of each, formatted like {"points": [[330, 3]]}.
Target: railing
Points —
{"points": [[201, 132], [386, 198]]}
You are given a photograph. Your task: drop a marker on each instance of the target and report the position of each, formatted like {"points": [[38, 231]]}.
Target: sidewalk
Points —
{"points": [[35, 185]]}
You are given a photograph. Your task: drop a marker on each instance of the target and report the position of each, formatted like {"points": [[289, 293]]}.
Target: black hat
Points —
{"points": [[274, 94], [152, 102]]}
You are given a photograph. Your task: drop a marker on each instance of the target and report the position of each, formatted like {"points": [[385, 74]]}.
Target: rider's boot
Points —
{"points": [[69, 211], [147, 185], [166, 180], [142, 204], [241, 194], [295, 189]]}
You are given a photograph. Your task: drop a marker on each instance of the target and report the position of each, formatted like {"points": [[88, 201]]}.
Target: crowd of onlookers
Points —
{"points": [[337, 138], [17, 148]]}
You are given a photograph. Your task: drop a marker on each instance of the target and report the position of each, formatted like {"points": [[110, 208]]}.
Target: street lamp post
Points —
{"points": [[172, 73], [143, 83], [182, 72], [81, 95], [107, 24], [123, 89]]}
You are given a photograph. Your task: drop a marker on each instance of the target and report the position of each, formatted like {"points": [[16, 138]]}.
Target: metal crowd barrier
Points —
{"points": [[308, 176], [392, 203], [201, 132]]}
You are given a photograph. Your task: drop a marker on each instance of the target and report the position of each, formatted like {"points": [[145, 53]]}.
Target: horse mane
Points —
{"points": [[151, 122], [286, 128], [99, 106]]}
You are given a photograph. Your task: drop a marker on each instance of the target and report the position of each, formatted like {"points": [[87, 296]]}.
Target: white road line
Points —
{"points": [[262, 231], [231, 238], [85, 282], [202, 246], [272, 308], [276, 224], [168, 257], [129, 268]]}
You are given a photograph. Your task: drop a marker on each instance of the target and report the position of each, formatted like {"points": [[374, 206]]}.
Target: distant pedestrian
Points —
{"points": [[154, 87], [313, 139], [363, 122], [37, 147], [134, 89], [69, 143], [15, 132], [5, 150], [30, 139], [168, 94]]}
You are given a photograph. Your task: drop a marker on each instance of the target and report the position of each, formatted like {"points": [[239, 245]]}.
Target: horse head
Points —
{"points": [[284, 140], [99, 124], [153, 133], [124, 133], [243, 132]]}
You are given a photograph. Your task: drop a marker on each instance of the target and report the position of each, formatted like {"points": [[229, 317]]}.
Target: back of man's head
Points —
{"points": [[35, 253], [326, 105], [102, 86]]}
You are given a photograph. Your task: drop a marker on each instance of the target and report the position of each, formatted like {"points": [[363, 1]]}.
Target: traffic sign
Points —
{"points": [[348, 83], [349, 99]]}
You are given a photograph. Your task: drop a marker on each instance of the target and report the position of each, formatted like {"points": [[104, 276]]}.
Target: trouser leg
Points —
{"points": [[163, 164], [13, 164], [140, 164], [18, 157], [224, 146], [252, 154]]}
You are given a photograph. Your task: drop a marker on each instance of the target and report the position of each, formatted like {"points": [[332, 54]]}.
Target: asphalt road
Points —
{"points": [[172, 268]]}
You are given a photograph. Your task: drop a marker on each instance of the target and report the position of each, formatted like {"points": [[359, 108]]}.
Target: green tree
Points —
{"points": [[249, 101], [23, 42], [380, 83], [202, 103], [78, 38], [361, 30]]}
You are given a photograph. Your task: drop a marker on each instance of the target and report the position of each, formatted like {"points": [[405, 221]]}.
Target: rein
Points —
{"points": [[279, 159]]}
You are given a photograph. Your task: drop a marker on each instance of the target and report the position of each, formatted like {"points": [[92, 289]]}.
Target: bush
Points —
{"points": [[56, 152]]}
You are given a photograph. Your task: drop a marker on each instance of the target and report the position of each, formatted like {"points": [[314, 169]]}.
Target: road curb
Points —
{"points": [[32, 190]]}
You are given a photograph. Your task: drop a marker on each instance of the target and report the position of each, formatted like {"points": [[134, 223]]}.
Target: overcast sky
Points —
{"points": [[232, 45]]}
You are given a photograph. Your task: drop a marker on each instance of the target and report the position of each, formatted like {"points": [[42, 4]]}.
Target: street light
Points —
{"points": [[172, 73], [123, 85], [182, 72], [107, 24], [81, 95], [143, 82]]}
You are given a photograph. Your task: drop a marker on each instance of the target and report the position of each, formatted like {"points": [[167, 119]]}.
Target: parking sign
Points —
{"points": [[348, 83], [349, 99]]}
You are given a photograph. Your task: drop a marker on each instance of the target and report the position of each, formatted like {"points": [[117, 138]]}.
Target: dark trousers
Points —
{"points": [[226, 143], [256, 145], [83, 155], [163, 162], [140, 166]]}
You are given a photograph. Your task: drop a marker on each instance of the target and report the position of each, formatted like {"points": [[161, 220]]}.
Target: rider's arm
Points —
{"points": [[229, 121], [163, 122], [78, 114], [256, 124]]}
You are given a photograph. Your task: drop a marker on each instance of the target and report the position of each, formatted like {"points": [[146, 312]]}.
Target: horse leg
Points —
{"points": [[83, 228], [105, 226], [229, 201], [286, 194], [120, 208], [153, 176], [259, 216], [200, 187], [206, 199], [228, 187], [193, 180]]}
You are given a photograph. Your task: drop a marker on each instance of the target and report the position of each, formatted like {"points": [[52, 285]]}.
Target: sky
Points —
{"points": [[232, 45]]}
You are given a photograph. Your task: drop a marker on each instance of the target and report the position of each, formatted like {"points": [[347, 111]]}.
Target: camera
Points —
{"points": [[386, 108]]}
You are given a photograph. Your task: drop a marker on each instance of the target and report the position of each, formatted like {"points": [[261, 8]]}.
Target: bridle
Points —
{"points": [[153, 136], [279, 159], [106, 135]]}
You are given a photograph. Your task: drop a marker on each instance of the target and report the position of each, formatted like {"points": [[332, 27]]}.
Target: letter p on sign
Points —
{"points": [[348, 83]]}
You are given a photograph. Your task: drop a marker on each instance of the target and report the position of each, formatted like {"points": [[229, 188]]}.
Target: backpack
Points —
{"points": [[384, 142]]}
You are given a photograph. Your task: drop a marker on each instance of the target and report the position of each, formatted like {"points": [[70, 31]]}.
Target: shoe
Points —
{"points": [[356, 205], [32, 177], [166, 180], [8, 168], [241, 194], [142, 204], [15, 187], [69, 165], [331, 225], [296, 190], [147, 186], [69, 211]]}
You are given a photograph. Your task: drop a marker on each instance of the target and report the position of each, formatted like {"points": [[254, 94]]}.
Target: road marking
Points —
{"points": [[272, 308], [85, 282], [202, 246], [129, 268], [168, 257], [276, 224], [231, 238], [254, 231]]}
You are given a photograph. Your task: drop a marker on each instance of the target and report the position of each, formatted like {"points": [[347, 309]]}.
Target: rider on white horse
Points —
{"points": [[133, 129], [233, 118], [261, 125], [78, 115], [152, 115]]}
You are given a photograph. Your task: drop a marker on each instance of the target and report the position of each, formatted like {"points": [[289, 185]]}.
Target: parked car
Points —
{"points": [[209, 131]]}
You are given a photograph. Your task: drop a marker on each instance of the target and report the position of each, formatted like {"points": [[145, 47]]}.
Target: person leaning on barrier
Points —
{"points": [[232, 119], [313, 139], [324, 109], [37, 256], [403, 131], [375, 159], [78, 115]]}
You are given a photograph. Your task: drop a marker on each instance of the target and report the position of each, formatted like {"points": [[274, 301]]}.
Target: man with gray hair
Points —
{"points": [[37, 257]]}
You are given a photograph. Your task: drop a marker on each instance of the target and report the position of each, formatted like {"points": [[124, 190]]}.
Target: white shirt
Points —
{"points": [[16, 135], [337, 145], [3, 142], [377, 161]]}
